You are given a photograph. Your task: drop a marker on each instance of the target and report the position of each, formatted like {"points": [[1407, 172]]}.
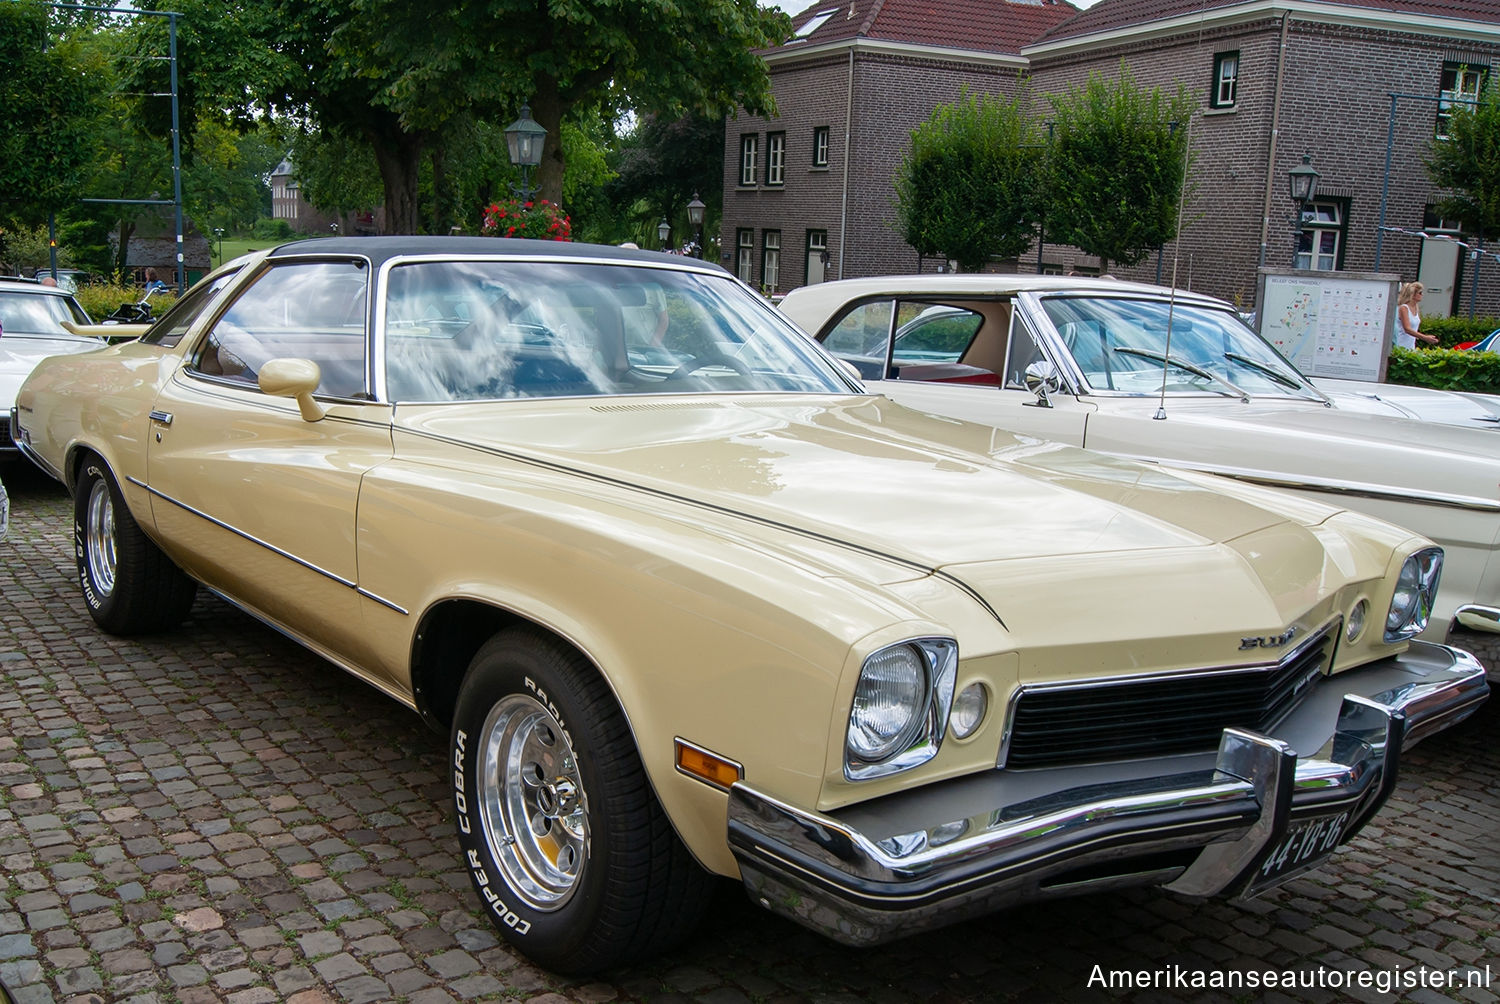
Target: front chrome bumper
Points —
{"points": [[1212, 825]]}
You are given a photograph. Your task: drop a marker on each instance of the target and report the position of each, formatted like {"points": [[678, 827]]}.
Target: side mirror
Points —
{"points": [[294, 378], [1042, 380]]}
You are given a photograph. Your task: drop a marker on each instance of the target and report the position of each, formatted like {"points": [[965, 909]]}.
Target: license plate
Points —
{"points": [[1306, 843]]}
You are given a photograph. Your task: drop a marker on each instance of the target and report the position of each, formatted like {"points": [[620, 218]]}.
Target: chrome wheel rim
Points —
{"points": [[99, 539], [534, 812]]}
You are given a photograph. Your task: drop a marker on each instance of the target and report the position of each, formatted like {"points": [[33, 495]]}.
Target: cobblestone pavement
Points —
{"points": [[215, 815]]}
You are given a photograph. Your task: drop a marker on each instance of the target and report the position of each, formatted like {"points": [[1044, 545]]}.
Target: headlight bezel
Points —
{"points": [[921, 736], [1412, 598]]}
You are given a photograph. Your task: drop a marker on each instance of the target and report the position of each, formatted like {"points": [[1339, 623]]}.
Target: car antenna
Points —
{"points": [[1166, 356]]}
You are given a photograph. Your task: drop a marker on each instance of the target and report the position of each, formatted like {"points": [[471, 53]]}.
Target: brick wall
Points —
{"points": [[1334, 105]]}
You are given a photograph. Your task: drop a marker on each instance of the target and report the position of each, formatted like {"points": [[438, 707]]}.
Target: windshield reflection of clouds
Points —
{"points": [[471, 331], [1120, 346]]}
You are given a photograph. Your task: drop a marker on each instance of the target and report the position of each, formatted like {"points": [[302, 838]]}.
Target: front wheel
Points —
{"points": [[563, 839], [129, 585]]}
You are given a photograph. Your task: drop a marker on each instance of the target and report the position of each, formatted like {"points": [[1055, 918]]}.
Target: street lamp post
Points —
{"points": [[1302, 181], [663, 231], [523, 140], [695, 219], [219, 237]]}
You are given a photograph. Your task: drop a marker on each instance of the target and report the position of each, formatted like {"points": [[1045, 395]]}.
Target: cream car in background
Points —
{"points": [[1131, 370], [688, 601]]}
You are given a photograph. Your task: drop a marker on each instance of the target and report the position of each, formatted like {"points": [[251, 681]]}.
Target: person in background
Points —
{"points": [[1409, 319], [153, 283]]}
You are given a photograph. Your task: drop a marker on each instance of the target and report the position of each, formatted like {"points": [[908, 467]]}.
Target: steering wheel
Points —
{"points": [[697, 363]]}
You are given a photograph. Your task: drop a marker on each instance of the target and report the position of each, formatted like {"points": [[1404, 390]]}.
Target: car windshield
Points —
{"points": [[24, 313], [479, 330], [1121, 345]]}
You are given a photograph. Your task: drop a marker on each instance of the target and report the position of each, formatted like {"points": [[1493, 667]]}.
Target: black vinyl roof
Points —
{"points": [[381, 249]]}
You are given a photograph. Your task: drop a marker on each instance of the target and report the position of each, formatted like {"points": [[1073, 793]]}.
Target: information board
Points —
{"points": [[1329, 324]]}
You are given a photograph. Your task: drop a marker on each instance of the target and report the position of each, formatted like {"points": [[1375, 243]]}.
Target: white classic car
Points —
{"points": [[688, 600], [1136, 371], [33, 321]]}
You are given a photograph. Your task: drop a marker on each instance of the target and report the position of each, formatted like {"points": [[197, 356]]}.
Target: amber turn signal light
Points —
{"points": [[695, 761]]}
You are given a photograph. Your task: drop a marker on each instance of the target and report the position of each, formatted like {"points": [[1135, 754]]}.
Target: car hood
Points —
{"points": [[1425, 404], [866, 472], [19, 354], [1309, 445]]}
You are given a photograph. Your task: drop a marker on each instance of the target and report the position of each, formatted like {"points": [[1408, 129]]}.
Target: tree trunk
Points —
{"points": [[122, 250], [547, 109], [399, 156]]}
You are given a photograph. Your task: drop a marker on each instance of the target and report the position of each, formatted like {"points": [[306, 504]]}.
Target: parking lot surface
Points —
{"points": [[215, 815]]}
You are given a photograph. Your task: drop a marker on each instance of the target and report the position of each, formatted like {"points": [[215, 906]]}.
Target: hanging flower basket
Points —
{"points": [[538, 219]]}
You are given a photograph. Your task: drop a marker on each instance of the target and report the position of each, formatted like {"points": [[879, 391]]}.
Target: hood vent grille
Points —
{"points": [[1131, 720], [660, 406]]}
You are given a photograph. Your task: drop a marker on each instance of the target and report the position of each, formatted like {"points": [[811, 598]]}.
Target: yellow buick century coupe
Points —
{"points": [[690, 602]]}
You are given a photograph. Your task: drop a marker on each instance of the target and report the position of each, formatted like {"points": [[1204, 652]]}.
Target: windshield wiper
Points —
{"points": [[1272, 372], [1192, 368]]}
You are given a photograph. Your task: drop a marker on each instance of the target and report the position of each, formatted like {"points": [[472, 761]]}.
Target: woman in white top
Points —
{"points": [[1408, 320]]}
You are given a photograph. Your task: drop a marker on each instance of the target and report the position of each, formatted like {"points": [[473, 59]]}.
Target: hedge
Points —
{"points": [[1445, 369], [101, 299], [1453, 330]]}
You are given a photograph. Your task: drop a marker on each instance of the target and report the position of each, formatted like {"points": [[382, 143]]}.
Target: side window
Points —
{"points": [[860, 337], [172, 325], [1023, 352], [301, 310], [937, 334]]}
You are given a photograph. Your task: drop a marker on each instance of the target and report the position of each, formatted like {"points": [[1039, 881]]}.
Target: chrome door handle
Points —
{"points": [[164, 417]]}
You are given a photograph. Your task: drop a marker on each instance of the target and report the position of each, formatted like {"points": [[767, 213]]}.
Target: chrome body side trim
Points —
{"points": [[155, 493], [936, 854]]}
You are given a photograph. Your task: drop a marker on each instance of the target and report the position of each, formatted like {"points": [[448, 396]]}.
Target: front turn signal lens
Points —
{"points": [[695, 761]]}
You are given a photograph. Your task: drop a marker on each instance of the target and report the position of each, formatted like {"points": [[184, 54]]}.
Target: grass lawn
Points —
{"points": [[236, 246]]}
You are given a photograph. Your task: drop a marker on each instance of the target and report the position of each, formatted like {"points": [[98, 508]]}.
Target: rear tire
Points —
{"points": [[129, 585], [563, 839]]}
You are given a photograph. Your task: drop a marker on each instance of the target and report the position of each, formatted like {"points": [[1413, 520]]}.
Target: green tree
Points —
{"points": [[399, 76], [1467, 164], [51, 90], [969, 188], [662, 163], [1116, 167]]}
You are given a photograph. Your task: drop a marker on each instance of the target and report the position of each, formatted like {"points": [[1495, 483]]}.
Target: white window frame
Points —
{"points": [[770, 260], [745, 264], [1323, 231], [749, 158], [1226, 79], [820, 147], [776, 158], [1468, 81]]}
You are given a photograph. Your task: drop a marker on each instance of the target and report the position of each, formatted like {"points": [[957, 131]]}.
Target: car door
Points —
{"points": [[960, 356], [247, 494]]}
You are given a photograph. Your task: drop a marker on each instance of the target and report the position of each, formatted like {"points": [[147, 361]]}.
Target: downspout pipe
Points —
{"points": [[848, 156], [1265, 216]]}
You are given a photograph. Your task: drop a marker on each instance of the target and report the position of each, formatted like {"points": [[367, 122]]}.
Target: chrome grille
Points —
{"points": [[5, 443], [1132, 719]]}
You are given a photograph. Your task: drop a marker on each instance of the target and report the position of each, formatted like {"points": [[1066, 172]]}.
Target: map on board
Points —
{"points": [[1331, 327]]}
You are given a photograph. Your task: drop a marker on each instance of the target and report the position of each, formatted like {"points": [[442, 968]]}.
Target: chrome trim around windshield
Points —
{"points": [[269, 546]]}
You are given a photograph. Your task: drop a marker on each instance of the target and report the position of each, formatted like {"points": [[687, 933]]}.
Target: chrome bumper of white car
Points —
{"points": [[1230, 824], [1478, 618]]}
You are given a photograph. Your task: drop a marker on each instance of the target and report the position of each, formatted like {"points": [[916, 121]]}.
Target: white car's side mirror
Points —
{"points": [[1042, 380]]}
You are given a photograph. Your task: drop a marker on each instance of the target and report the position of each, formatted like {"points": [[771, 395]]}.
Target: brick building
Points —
{"points": [[1339, 81]]}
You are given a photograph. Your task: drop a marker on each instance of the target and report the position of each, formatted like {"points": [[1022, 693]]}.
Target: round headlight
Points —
{"points": [[1408, 594], [1356, 625], [968, 710], [888, 703]]}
